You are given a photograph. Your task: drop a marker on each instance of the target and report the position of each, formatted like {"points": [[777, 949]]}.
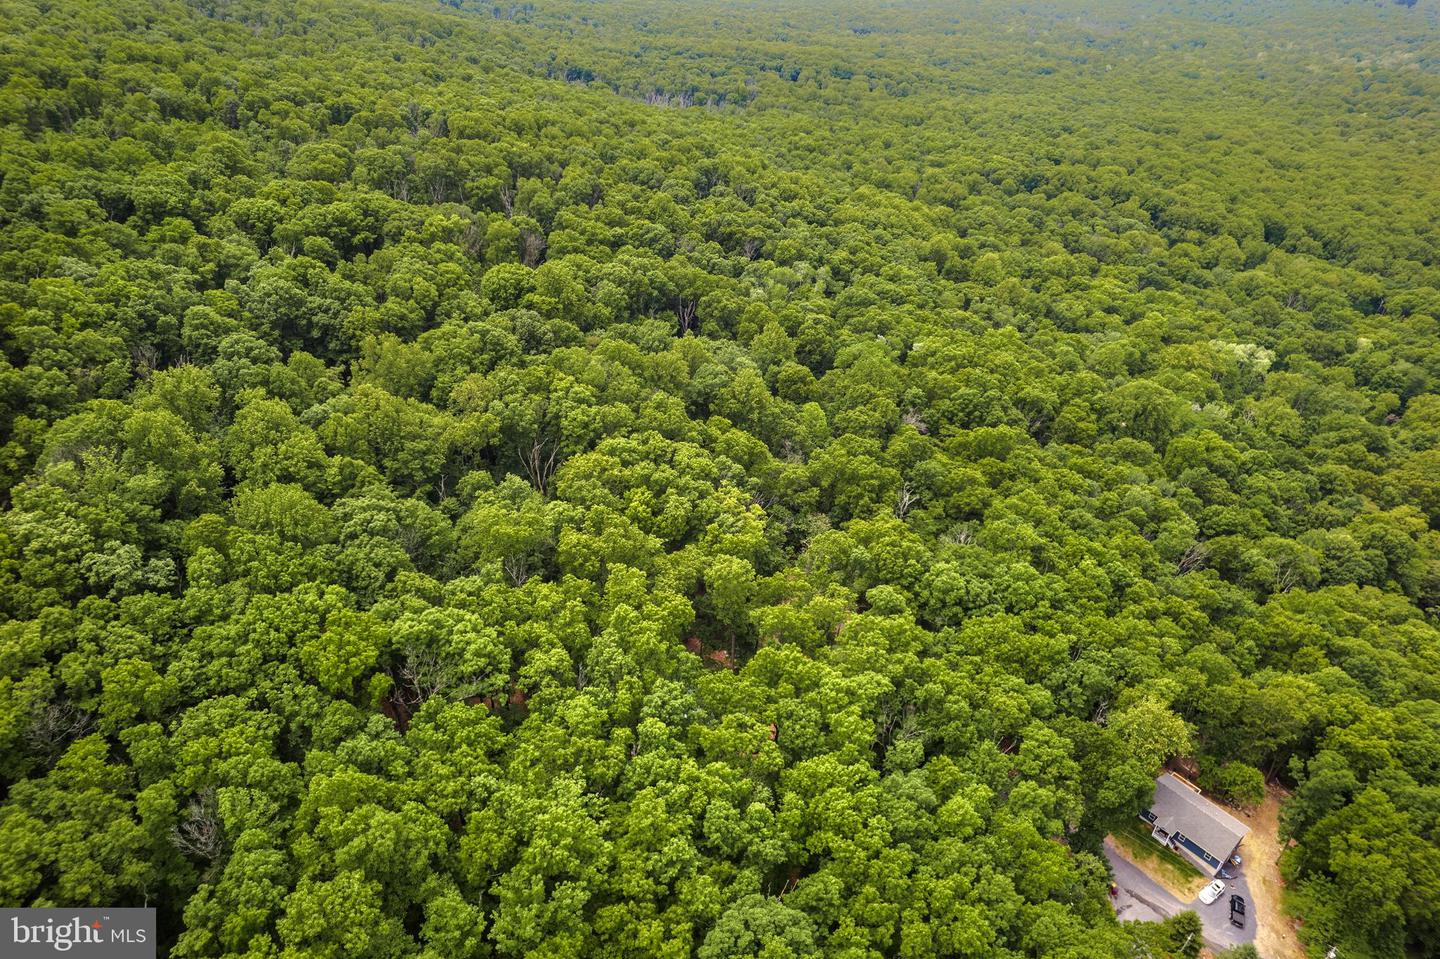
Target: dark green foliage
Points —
{"points": [[712, 479]]}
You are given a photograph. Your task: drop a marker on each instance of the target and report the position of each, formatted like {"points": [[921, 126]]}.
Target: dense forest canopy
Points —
{"points": [[634, 478]]}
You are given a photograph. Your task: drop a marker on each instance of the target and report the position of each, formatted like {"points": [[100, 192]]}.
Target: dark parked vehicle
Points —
{"points": [[1226, 874], [1237, 911]]}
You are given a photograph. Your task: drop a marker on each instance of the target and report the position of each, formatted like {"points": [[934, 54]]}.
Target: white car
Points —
{"points": [[1212, 892]]}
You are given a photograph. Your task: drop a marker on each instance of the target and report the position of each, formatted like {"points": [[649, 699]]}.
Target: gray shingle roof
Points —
{"points": [[1178, 808]]}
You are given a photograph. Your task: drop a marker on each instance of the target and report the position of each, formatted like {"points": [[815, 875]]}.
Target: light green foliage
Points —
{"points": [[714, 479], [1150, 732]]}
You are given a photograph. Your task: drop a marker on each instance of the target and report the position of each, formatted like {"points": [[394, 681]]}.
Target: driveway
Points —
{"points": [[1143, 898]]}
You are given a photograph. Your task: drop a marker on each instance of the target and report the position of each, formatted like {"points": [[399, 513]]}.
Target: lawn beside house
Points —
{"points": [[1168, 868]]}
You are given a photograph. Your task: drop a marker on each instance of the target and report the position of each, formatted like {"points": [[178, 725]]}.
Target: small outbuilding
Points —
{"points": [[1185, 821]]}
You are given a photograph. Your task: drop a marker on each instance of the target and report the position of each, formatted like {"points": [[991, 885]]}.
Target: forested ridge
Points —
{"points": [[715, 479]]}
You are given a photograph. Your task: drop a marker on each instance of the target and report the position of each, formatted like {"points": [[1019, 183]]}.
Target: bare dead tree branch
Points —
{"points": [[55, 725], [532, 247], [516, 568], [1194, 557], [905, 500], [540, 461], [421, 675], [685, 311], [960, 535], [199, 834]]}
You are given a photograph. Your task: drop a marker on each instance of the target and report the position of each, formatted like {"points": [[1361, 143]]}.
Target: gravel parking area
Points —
{"points": [[1142, 898]]}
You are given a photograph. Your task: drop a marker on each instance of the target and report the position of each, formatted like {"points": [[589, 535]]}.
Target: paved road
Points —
{"points": [[1145, 899]]}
